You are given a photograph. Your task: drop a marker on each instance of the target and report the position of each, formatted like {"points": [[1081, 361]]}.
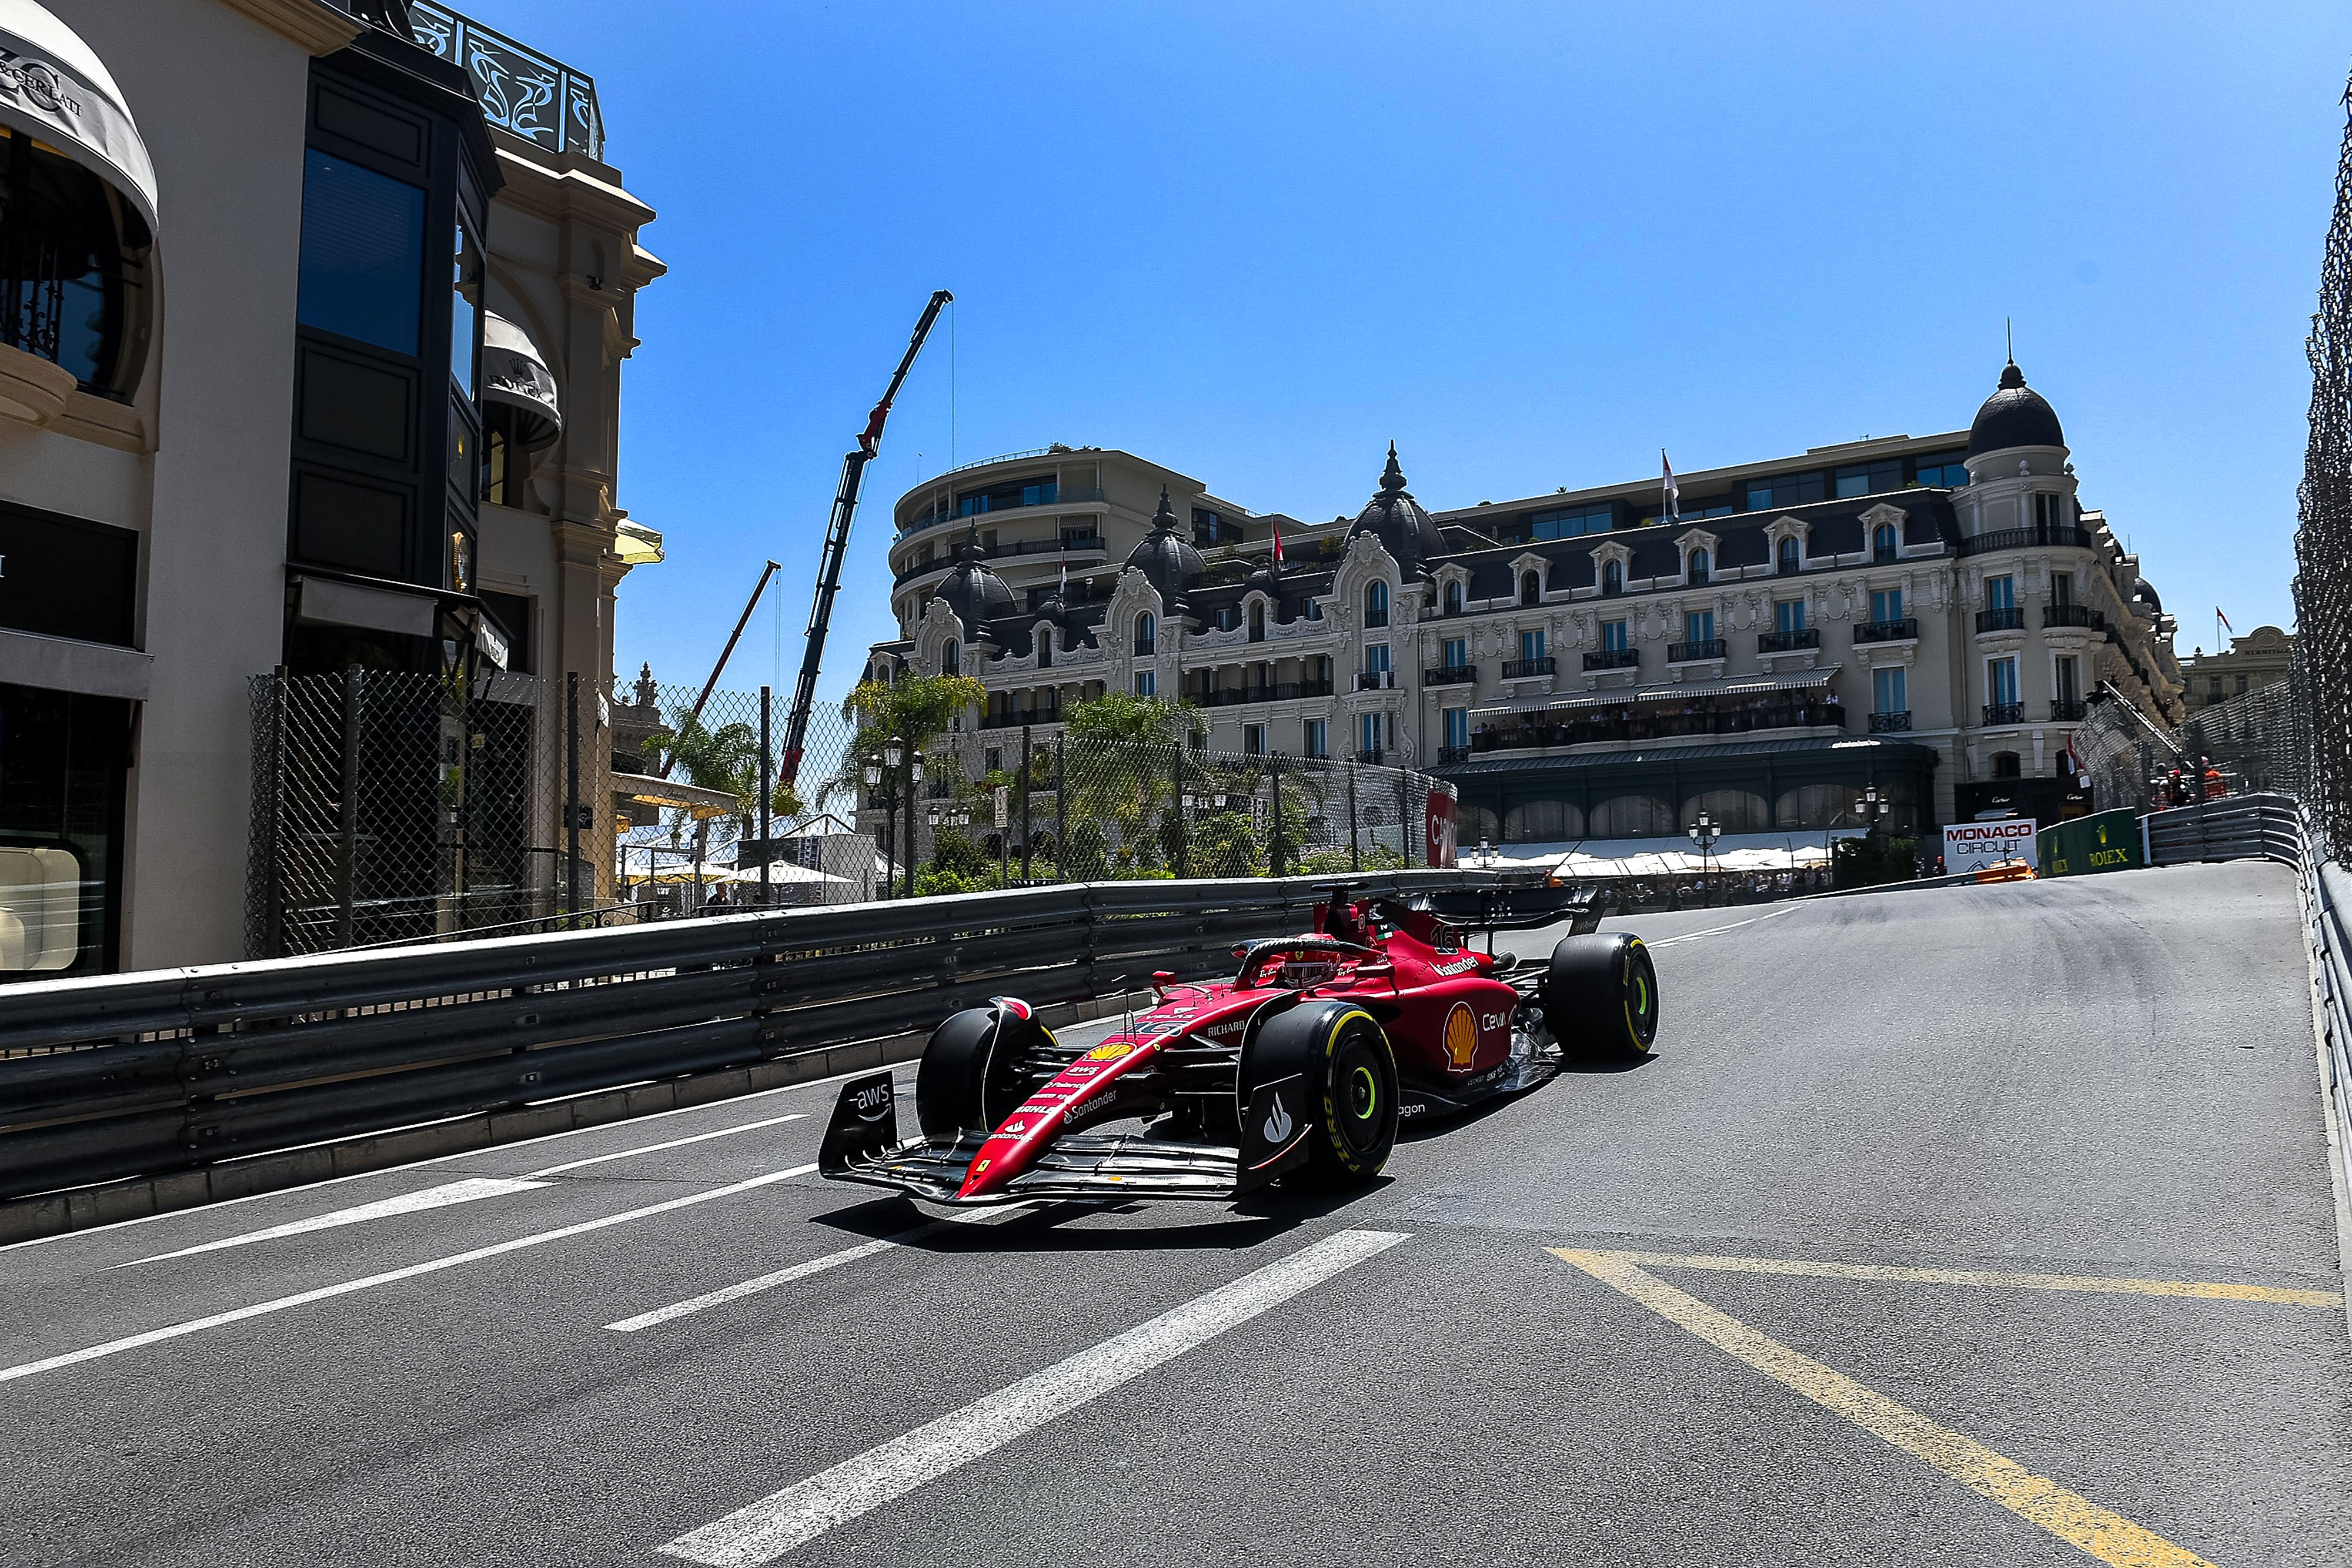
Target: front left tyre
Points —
{"points": [[1350, 1078]]}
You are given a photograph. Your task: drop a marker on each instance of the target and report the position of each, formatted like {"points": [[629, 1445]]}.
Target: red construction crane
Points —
{"points": [[837, 543]]}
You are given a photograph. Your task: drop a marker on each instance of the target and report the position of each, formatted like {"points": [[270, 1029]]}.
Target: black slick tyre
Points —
{"points": [[970, 1079], [1600, 996], [1350, 1081]]}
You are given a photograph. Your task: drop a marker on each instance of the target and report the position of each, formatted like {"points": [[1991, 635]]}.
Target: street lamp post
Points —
{"points": [[914, 847], [873, 774], [1703, 832]]}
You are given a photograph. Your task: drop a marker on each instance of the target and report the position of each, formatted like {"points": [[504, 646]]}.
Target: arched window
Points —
{"points": [[2006, 765], [1376, 604], [1530, 588], [1147, 633], [951, 658], [72, 275], [1454, 599], [1790, 562], [1612, 577], [1045, 647], [1696, 569], [1882, 541], [1257, 622]]}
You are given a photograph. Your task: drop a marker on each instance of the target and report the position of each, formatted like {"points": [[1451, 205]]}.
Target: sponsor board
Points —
{"points": [[1977, 846], [2106, 840], [1442, 824]]}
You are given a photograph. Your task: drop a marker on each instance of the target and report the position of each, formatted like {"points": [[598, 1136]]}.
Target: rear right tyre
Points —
{"points": [[1600, 996]]}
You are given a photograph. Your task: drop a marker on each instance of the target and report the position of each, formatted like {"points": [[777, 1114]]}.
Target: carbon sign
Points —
{"points": [[1973, 846]]}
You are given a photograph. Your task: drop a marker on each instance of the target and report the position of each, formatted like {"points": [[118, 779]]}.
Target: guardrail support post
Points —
{"points": [[347, 867]]}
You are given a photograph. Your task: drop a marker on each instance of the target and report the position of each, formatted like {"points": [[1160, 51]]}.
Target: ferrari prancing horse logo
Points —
{"points": [[1461, 1036]]}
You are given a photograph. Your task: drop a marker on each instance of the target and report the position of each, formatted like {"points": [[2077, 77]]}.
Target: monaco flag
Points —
{"points": [[1673, 491]]}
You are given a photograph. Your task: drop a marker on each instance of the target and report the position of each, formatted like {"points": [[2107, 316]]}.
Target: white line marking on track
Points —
{"points": [[431, 1266], [673, 1144], [470, 1190], [766, 1530], [1719, 930]]}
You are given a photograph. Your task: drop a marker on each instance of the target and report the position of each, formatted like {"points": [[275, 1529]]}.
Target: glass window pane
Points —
{"points": [[363, 254]]}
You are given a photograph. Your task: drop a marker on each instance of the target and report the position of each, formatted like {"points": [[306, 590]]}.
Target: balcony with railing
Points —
{"points": [[1523, 669], [2073, 615], [1061, 501], [1450, 675], [1640, 722], [522, 91], [1903, 630], [2067, 710], [1613, 659], [2040, 535], [1888, 722], [1693, 652], [1446, 753], [1789, 642], [1372, 754], [1376, 680], [1014, 718], [2004, 712], [2010, 620]]}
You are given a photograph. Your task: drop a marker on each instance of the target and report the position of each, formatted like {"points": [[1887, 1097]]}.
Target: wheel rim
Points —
{"points": [[1360, 1107], [1641, 997]]}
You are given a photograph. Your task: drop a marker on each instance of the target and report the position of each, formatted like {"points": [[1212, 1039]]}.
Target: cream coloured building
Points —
{"points": [[1929, 616], [318, 369]]}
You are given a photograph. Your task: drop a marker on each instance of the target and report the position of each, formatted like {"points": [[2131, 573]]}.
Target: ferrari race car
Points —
{"points": [[1304, 1064]]}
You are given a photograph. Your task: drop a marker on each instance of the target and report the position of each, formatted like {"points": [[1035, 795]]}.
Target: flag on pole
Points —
{"points": [[2223, 619], [1673, 492], [1063, 592], [1277, 544]]}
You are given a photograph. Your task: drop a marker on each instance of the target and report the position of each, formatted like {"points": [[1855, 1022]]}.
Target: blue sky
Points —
{"points": [[1531, 244]]}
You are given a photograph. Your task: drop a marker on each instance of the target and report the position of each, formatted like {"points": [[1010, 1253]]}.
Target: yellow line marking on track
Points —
{"points": [[2077, 1520], [2211, 1290]]}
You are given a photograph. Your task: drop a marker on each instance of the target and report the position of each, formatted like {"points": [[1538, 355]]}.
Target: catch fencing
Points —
{"points": [[116, 1077]]}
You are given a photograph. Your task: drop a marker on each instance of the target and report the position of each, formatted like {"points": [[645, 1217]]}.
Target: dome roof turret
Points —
{"points": [[1167, 558], [1405, 531], [2015, 416], [976, 595]]}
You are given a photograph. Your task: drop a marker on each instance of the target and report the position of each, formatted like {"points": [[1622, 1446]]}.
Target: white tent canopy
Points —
{"points": [[55, 89], [1733, 854]]}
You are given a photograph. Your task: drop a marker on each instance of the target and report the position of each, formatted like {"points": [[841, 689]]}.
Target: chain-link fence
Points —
{"points": [[398, 808], [2322, 544]]}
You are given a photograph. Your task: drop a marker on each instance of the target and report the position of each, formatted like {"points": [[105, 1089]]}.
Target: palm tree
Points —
{"points": [[1129, 759]]}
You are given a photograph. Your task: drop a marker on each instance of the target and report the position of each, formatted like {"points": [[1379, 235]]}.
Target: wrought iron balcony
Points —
{"points": [[2067, 710], [1614, 659], [1376, 680], [1884, 555], [1446, 753], [1788, 642], [1376, 617], [1520, 669], [1901, 630], [2004, 712], [1700, 716], [1692, 652], [2010, 620], [1882, 723], [522, 91], [1450, 675], [2026, 538], [2072, 615], [1370, 754]]}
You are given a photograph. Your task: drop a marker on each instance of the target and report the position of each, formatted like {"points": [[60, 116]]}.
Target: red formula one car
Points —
{"points": [[1305, 1062]]}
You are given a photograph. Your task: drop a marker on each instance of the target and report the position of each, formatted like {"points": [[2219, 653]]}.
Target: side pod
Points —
{"points": [[864, 1124]]}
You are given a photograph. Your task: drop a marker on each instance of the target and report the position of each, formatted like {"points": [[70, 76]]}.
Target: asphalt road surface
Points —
{"points": [[1987, 1226]]}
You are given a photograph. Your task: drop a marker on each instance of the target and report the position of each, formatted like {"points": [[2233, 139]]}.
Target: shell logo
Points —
{"points": [[1461, 1036]]}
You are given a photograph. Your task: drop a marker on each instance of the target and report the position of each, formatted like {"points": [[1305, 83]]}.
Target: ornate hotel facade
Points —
{"points": [[1928, 616]]}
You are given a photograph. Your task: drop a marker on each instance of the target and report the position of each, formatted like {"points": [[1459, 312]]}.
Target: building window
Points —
{"points": [[2062, 588], [1254, 739], [1570, 522], [1229, 619], [1147, 634], [66, 272], [1883, 542], [1212, 528], [2006, 765], [1046, 648], [1317, 738], [2001, 593], [1372, 729], [1004, 498], [1612, 579], [951, 658], [1530, 588], [1698, 626], [1614, 637], [1792, 560], [1376, 658], [362, 268], [1697, 565], [1458, 652], [1943, 471], [1789, 615], [1376, 604], [1888, 690], [2051, 511], [1786, 490], [1886, 604], [1457, 728], [2000, 682], [2066, 675], [1531, 644], [1870, 478], [1147, 684], [1257, 622], [1315, 610], [2214, 690], [1453, 598]]}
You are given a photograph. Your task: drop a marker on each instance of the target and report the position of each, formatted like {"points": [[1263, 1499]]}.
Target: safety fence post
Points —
{"points": [[347, 865]]}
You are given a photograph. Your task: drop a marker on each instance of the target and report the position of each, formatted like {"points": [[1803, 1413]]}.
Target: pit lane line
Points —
{"points": [[2083, 1524], [764, 1530], [393, 1276]]}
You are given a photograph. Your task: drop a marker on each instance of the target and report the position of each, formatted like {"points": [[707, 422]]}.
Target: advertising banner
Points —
{"points": [[2107, 842], [1974, 846], [1441, 821]]}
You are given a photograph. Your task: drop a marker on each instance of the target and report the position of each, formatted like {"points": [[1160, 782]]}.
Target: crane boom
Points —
{"points": [[836, 544]]}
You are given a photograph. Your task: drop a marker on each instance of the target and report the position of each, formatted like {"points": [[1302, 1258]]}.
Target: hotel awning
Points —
{"points": [[514, 373], [1744, 686], [55, 90]]}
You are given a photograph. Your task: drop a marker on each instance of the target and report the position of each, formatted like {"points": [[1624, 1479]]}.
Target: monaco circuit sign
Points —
{"points": [[1973, 846]]}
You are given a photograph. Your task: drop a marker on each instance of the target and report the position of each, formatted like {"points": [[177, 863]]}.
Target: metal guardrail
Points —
{"points": [[2241, 827], [113, 1077]]}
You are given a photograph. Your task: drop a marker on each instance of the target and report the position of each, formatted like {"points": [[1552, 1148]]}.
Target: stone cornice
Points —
{"points": [[318, 27]]}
